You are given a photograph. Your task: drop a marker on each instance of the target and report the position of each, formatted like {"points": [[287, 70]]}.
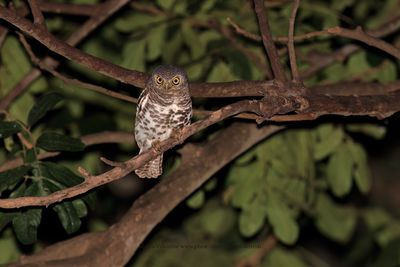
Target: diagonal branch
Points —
{"points": [[124, 238], [290, 44], [37, 13], [360, 35], [46, 38], [312, 106], [89, 140], [269, 45], [100, 13]]}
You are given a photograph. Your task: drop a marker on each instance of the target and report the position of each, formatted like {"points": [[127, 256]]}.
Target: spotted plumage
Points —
{"points": [[164, 105]]}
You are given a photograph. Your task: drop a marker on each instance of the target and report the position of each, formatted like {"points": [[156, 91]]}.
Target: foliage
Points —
{"points": [[312, 179]]}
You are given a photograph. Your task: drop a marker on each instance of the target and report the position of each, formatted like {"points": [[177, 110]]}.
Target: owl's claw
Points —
{"points": [[156, 146], [177, 134]]}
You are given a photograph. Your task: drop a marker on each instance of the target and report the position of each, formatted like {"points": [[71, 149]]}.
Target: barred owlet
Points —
{"points": [[164, 105]]}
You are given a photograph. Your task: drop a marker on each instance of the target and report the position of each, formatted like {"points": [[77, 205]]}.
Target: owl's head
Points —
{"points": [[168, 79]]}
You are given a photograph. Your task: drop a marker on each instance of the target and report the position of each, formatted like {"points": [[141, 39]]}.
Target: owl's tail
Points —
{"points": [[152, 169]]}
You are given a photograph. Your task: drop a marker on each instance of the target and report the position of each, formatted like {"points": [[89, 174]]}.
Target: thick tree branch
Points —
{"points": [[123, 239], [309, 106], [68, 9], [100, 13], [43, 66], [104, 67]]}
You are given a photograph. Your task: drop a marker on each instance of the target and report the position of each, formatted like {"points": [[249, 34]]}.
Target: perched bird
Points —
{"points": [[164, 106]]}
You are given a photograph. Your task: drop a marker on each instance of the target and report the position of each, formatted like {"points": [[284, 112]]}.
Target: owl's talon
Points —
{"points": [[156, 146], [177, 134]]}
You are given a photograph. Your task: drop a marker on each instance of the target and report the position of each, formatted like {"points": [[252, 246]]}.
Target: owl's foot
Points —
{"points": [[177, 134], [156, 146]]}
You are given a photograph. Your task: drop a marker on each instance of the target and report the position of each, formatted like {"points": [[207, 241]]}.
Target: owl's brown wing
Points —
{"points": [[142, 96]]}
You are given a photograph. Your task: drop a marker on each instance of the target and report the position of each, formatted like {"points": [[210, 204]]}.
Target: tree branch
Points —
{"points": [[269, 45], [37, 14], [88, 140], [124, 238], [104, 67], [360, 35], [290, 44], [309, 106], [100, 13]]}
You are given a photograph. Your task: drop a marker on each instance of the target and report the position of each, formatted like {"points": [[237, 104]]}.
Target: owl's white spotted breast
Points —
{"points": [[155, 121]]}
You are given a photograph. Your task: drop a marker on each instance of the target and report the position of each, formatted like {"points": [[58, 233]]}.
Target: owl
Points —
{"points": [[164, 106]]}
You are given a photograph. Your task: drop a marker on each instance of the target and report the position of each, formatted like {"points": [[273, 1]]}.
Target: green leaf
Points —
{"points": [[8, 128], [6, 216], [66, 177], [387, 73], [207, 5], [196, 201], [251, 220], [26, 223], [10, 252], [369, 129], [335, 72], [221, 73], [362, 175], [134, 55], [328, 138], [66, 211], [80, 208], [190, 37], [239, 64], [376, 218], [357, 63], [15, 64], [42, 106], [30, 156], [284, 225], [388, 234], [280, 257], [68, 216], [246, 180], [340, 171], [61, 174], [211, 184], [135, 21], [335, 222], [52, 141], [165, 4], [173, 46], [18, 108], [155, 42], [10, 178], [215, 221]]}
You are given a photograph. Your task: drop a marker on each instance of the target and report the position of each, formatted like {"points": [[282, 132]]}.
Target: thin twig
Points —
{"points": [[360, 35], [290, 44], [88, 140], [42, 65], [268, 43], [37, 13], [256, 258]]}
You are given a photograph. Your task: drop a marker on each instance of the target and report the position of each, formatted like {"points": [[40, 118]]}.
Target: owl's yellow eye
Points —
{"points": [[159, 80], [176, 80]]}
